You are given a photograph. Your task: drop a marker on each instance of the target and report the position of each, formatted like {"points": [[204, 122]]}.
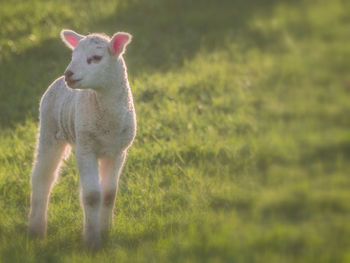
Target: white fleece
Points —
{"points": [[91, 107]]}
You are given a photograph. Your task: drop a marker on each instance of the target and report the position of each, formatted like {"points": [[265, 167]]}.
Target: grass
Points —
{"points": [[243, 145]]}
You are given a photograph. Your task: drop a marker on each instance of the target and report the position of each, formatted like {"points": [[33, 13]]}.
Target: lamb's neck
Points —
{"points": [[109, 100], [115, 92]]}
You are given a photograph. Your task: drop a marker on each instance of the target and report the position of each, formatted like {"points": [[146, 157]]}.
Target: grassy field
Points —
{"points": [[243, 145]]}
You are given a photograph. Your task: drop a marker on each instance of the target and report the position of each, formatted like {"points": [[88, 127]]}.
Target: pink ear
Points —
{"points": [[119, 42], [70, 38]]}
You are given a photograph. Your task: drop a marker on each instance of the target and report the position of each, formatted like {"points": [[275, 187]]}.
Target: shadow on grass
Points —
{"points": [[166, 33]]}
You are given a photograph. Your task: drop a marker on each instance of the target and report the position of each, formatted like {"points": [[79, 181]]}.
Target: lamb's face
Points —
{"points": [[94, 58], [90, 60]]}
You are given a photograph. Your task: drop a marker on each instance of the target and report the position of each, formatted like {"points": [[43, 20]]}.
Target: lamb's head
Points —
{"points": [[95, 58]]}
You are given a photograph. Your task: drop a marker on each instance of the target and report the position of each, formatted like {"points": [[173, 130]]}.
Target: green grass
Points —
{"points": [[243, 145]]}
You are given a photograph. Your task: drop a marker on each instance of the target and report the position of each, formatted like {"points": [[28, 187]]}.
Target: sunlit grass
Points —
{"points": [[242, 151]]}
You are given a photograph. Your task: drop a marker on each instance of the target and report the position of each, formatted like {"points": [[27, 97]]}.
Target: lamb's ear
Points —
{"points": [[70, 38], [118, 43]]}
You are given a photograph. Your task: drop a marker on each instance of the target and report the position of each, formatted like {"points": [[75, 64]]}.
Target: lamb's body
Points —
{"points": [[105, 124], [91, 107]]}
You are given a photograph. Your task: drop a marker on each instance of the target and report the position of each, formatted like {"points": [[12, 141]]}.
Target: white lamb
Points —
{"points": [[91, 107]]}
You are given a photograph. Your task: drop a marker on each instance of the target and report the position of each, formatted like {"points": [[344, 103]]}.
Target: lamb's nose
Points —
{"points": [[68, 74]]}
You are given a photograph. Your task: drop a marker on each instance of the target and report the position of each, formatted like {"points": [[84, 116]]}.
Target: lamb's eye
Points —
{"points": [[94, 59]]}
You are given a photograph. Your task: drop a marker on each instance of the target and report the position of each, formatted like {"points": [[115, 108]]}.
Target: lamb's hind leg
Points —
{"points": [[49, 155], [110, 169]]}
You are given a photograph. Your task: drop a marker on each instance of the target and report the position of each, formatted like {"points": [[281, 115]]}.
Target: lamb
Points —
{"points": [[90, 107]]}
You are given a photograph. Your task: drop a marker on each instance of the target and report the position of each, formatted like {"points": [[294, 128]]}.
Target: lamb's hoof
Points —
{"points": [[93, 242], [106, 230], [36, 232]]}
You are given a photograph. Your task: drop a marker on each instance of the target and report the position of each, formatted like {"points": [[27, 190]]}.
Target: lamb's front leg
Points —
{"points": [[110, 169], [91, 197]]}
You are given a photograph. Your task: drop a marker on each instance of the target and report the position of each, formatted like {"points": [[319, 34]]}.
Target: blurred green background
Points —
{"points": [[243, 144]]}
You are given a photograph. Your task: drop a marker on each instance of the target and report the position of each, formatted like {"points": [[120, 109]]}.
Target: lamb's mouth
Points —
{"points": [[71, 82]]}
